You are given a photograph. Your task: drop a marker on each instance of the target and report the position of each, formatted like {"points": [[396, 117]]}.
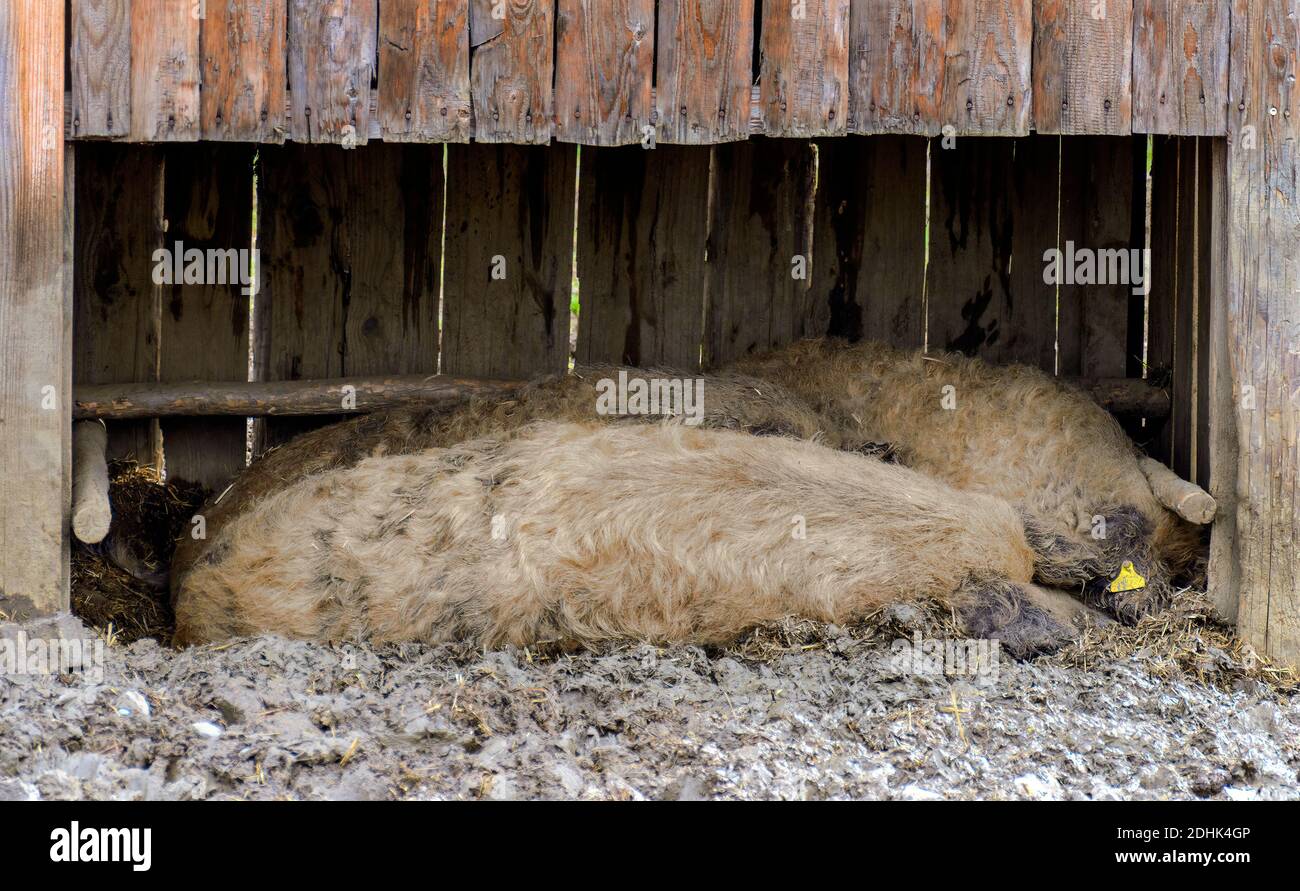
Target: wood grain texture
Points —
{"points": [[509, 256], [1083, 66], [704, 70], [896, 52], [164, 71], [424, 72], [332, 46], [101, 67], [209, 204], [805, 67], [243, 47], [1180, 66], [604, 67], [759, 231], [511, 76], [35, 401], [642, 225], [1223, 574], [483, 21], [1263, 305], [986, 69], [869, 240], [118, 227]]}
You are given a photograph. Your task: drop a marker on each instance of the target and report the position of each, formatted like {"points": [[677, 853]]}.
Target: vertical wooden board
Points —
{"points": [[34, 399], [1223, 573], [642, 226], [209, 206], [896, 51], [1205, 247], [331, 62], [118, 227], [424, 71], [805, 68], [511, 76], [604, 66], [1263, 306], [101, 67], [760, 243], [1096, 213], [509, 260], [164, 71], [986, 69], [869, 240], [1180, 66], [243, 51], [704, 70], [1083, 66], [350, 242]]}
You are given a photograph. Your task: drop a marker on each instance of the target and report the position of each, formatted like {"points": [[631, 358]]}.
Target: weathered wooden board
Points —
{"points": [[331, 62], [604, 67], [896, 51], [351, 246], [35, 401], [805, 67], [424, 71], [869, 240], [511, 76], [243, 75], [704, 70], [760, 248], [642, 224], [164, 71], [209, 204], [986, 69], [486, 20], [1083, 66], [1263, 305], [1180, 66], [119, 226], [1223, 574], [101, 67], [509, 260]]}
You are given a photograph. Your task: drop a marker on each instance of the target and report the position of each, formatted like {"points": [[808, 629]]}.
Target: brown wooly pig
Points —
{"points": [[581, 533], [1011, 431]]}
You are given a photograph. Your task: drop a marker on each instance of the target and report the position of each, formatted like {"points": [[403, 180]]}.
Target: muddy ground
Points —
{"points": [[798, 711]]}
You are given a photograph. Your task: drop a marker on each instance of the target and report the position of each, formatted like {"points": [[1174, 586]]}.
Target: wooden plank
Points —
{"points": [[1083, 67], [209, 202], [164, 71], [35, 401], [1223, 573], [101, 67], [511, 76], [760, 248], [331, 62], [1205, 247], [805, 67], [704, 70], [604, 67], [243, 51], [351, 246], [896, 50], [424, 72], [986, 86], [509, 256], [1263, 305], [1180, 66], [642, 225], [869, 240], [116, 302]]}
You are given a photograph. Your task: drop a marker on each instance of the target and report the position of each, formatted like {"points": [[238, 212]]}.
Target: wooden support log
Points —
{"points": [[332, 396], [91, 514], [1188, 500]]}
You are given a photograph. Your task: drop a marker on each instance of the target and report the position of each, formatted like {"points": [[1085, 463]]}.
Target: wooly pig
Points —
{"points": [[581, 533], [1010, 431]]}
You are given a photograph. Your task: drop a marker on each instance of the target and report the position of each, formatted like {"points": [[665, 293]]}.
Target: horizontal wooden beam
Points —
{"points": [[1128, 396]]}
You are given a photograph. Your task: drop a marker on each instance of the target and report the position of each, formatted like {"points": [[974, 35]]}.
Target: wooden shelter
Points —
{"points": [[750, 172]]}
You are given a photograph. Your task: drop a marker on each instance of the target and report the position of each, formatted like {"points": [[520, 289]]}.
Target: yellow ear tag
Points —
{"points": [[1127, 580]]}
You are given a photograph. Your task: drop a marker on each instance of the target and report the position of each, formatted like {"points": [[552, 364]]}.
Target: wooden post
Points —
{"points": [[35, 380]]}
